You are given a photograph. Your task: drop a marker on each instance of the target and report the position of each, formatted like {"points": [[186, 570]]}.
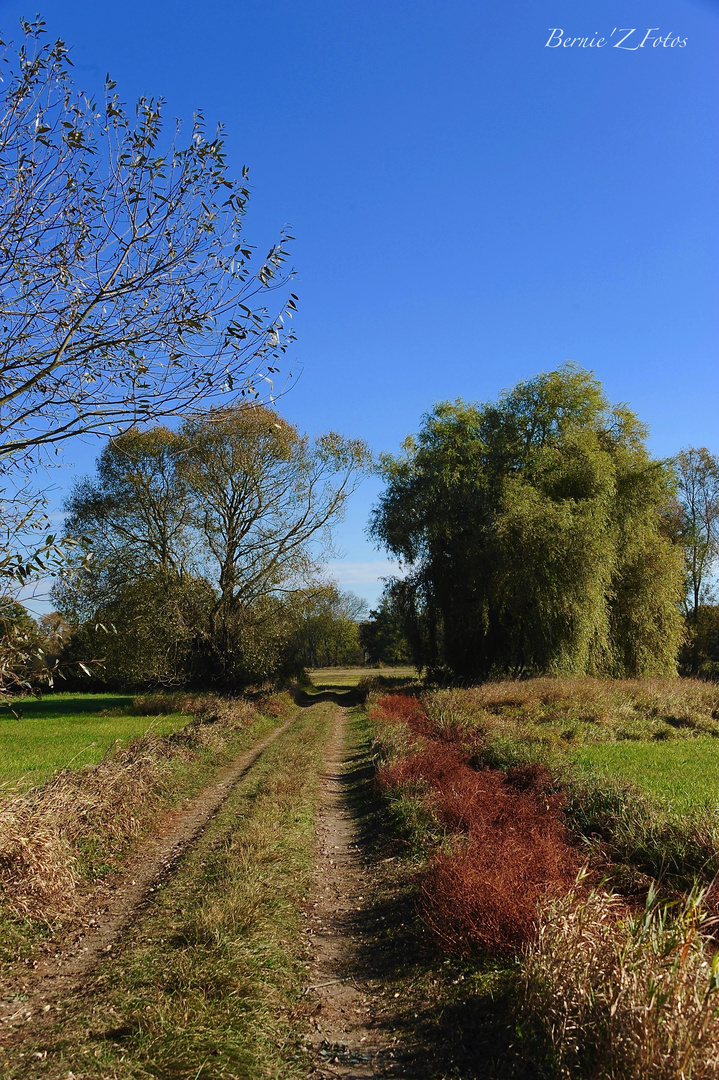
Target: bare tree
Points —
{"points": [[127, 291]]}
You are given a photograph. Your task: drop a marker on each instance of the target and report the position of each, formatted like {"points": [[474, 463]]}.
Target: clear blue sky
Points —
{"points": [[471, 207]]}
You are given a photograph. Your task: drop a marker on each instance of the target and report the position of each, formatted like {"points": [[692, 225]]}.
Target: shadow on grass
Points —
{"points": [[32, 708], [339, 695], [453, 1017]]}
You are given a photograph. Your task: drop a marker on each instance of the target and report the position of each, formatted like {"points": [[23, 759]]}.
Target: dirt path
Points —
{"points": [[111, 906], [348, 1036]]}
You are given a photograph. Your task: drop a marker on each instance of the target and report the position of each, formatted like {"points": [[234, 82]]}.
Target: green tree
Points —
{"points": [[534, 533], [238, 505], [136, 514], [383, 635], [21, 647], [328, 630], [697, 473], [150, 633], [264, 500]]}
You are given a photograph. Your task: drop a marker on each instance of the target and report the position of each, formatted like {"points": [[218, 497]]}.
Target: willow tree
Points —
{"points": [[533, 533]]}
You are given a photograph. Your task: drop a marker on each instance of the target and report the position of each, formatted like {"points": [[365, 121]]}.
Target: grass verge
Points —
{"points": [[601, 988], [209, 981], [60, 729], [57, 840]]}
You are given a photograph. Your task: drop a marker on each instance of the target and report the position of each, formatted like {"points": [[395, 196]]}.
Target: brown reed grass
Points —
{"points": [[624, 995]]}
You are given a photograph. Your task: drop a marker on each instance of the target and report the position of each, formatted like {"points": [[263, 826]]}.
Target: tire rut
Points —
{"points": [[348, 1037], [109, 908]]}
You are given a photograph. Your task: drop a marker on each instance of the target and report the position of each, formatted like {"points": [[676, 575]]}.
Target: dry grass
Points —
{"points": [[624, 995], [563, 711], [48, 833], [606, 991]]}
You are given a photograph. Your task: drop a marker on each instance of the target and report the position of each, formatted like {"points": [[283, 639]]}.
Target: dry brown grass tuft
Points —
{"points": [[37, 867], [624, 995], [102, 807], [166, 702]]}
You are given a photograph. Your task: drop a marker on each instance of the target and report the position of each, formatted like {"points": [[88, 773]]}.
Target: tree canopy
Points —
{"points": [[203, 539], [534, 532]]}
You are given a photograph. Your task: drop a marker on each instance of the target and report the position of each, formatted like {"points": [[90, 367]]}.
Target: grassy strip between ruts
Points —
{"points": [[209, 981]]}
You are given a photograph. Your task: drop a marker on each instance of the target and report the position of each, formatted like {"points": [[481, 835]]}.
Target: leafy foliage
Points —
{"points": [[383, 637], [328, 631], [204, 542], [535, 533], [129, 291]]}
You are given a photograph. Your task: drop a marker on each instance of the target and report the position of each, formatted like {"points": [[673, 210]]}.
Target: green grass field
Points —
{"points": [[338, 678], [683, 773], [60, 729]]}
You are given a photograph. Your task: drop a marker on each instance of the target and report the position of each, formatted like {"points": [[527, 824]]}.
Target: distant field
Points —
{"points": [[333, 678], [64, 728], [682, 773]]}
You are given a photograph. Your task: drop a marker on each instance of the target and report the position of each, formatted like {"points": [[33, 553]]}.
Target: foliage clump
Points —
{"points": [[205, 545], [537, 536]]}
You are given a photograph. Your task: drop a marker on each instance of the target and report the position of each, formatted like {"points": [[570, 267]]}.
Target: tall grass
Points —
{"points": [[561, 712], [493, 842], [514, 724], [624, 995], [607, 990]]}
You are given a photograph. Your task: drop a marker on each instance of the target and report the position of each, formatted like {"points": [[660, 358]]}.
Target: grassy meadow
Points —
{"points": [[69, 729], [343, 678], [683, 774]]}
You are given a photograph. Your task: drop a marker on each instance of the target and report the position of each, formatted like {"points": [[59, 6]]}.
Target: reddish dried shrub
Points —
{"points": [[400, 707], [485, 893], [435, 765]]}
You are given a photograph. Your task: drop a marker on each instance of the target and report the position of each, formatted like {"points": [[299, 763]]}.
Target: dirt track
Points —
{"points": [[348, 1035], [110, 907]]}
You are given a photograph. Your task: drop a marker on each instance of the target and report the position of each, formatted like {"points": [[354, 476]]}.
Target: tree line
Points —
{"points": [[537, 533]]}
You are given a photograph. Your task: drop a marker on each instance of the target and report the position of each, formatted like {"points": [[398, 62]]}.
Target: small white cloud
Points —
{"points": [[352, 574]]}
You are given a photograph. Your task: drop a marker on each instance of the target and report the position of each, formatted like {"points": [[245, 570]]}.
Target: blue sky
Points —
{"points": [[471, 206]]}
